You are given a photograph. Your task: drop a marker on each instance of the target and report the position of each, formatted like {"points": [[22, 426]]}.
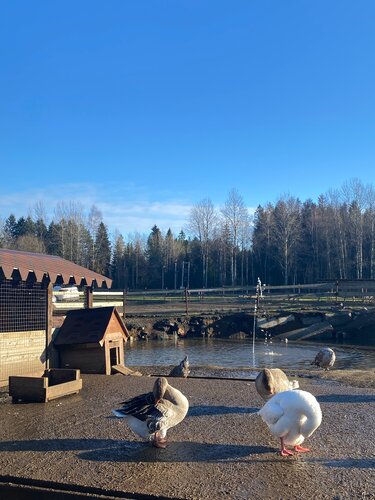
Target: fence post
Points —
{"points": [[124, 303], [48, 324], [88, 297]]}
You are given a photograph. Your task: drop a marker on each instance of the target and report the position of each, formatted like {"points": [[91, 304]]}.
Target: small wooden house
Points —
{"points": [[92, 340]]}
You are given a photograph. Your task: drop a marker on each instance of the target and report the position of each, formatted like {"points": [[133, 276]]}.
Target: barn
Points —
{"points": [[26, 308], [92, 340]]}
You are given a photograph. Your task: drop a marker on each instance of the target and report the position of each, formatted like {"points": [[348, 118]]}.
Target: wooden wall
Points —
{"points": [[22, 353], [88, 358]]}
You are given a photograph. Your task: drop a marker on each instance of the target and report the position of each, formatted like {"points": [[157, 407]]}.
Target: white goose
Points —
{"points": [[150, 415], [292, 416], [270, 381]]}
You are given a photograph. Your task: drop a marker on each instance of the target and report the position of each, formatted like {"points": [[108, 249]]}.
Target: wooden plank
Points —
{"points": [[59, 390], [61, 375], [28, 388], [125, 370]]}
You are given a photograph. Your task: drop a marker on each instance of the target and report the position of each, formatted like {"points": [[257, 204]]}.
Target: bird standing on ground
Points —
{"points": [[270, 381], [181, 370], [292, 416], [325, 358], [150, 415]]}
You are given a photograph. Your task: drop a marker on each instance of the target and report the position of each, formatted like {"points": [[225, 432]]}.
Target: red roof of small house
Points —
{"points": [[23, 264], [86, 326]]}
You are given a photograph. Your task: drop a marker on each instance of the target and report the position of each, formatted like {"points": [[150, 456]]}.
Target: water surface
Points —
{"points": [[239, 354]]}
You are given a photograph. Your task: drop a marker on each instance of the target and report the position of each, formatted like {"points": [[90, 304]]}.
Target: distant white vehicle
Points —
{"points": [[64, 293]]}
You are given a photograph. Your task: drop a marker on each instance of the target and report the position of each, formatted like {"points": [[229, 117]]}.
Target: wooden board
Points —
{"points": [[125, 371], [38, 390]]}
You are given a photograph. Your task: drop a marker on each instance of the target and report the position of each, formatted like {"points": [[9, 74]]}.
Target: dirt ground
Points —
{"points": [[221, 450]]}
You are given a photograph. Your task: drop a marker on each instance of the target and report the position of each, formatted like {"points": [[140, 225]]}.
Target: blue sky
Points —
{"points": [[145, 108]]}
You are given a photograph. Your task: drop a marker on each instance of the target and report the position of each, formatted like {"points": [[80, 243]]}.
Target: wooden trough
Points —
{"points": [[55, 383]]}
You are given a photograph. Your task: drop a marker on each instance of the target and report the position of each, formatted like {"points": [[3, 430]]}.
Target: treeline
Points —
{"points": [[286, 242]]}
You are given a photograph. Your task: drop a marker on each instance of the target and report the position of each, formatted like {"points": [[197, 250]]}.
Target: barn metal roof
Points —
{"points": [[14, 263], [83, 326]]}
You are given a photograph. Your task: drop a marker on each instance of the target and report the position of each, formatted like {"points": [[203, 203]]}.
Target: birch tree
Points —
{"points": [[202, 222], [286, 233], [234, 213]]}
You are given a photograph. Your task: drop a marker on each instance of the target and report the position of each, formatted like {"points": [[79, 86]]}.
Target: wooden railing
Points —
{"points": [[319, 295]]}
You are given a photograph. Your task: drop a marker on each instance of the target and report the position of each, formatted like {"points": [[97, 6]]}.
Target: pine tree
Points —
{"points": [[118, 263], [102, 251]]}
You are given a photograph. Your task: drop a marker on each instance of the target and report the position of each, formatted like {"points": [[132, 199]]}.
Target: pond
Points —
{"points": [[239, 354]]}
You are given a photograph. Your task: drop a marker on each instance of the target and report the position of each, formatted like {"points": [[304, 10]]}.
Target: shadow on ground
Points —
{"points": [[346, 398], [109, 450], [200, 410], [349, 463]]}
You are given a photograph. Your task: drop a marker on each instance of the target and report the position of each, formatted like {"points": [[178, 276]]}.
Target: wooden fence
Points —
{"points": [[316, 295]]}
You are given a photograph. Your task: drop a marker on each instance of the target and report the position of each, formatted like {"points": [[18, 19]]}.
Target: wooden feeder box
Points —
{"points": [[54, 383]]}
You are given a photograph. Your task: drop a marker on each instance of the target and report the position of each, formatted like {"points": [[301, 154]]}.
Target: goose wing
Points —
{"points": [[167, 415], [276, 414], [140, 407], [271, 412]]}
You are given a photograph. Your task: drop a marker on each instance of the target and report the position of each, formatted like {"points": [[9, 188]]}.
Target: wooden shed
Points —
{"points": [[92, 340], [26, 309]]}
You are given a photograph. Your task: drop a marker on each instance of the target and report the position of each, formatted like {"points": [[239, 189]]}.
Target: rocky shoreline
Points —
{"points": [[291, 325]]}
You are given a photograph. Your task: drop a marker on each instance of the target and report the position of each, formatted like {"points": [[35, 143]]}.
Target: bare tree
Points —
{"points": [[371, 229], [234, 213], [244, 238], [286, 232], [94, 218], [39, 212], [202, 222], [355, 195], [69, 215], [30, 243]]}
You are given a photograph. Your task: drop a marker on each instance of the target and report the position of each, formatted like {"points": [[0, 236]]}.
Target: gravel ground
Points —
{"points": [[221, 450]]}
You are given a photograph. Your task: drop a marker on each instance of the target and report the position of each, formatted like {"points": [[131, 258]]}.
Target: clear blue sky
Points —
{"points": [[144, 108]]}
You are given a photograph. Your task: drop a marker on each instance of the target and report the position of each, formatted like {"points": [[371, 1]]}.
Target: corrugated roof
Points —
{"points": [[24, 263], [85, 326]]}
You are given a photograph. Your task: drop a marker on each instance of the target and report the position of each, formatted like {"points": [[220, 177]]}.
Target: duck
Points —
{"points": [[292, 416], [181, 370], [270, 381], [152, 414], [325, 358]]}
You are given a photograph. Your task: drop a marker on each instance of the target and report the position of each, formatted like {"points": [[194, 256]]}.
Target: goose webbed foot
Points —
{"points": [[301, 449], [158, 441], [283, 451]]}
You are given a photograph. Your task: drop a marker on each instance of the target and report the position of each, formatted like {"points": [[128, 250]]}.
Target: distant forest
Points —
{"points": [[286, 242]]}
